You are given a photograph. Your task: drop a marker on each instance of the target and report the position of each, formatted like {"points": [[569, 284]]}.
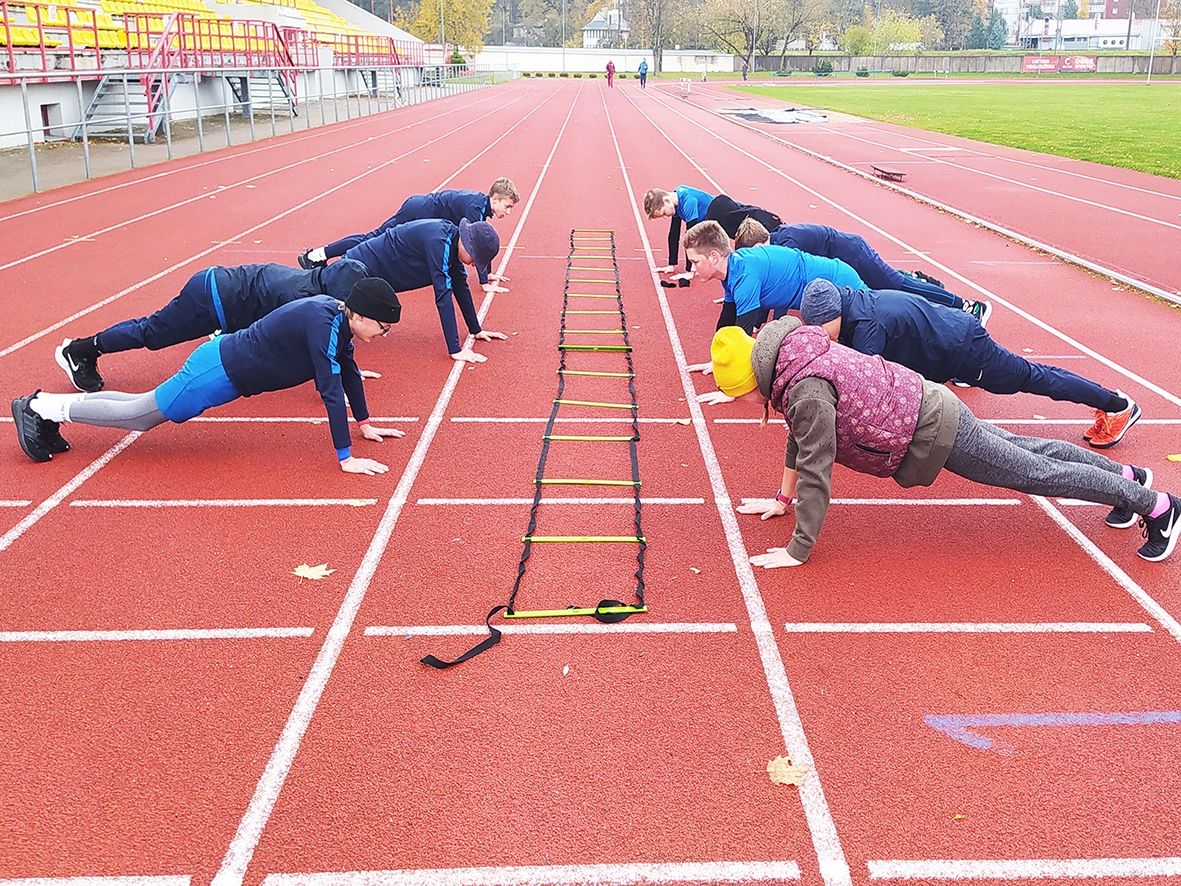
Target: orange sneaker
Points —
{"points": [[1097, 427], [1117, 425]]}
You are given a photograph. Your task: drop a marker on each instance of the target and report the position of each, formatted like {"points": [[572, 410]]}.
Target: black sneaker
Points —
{"points": [[82, 370], [1161, 532], [28, 428], [927, 278], [51, 436], [981, 310], [307, 264], [1122, 518]]}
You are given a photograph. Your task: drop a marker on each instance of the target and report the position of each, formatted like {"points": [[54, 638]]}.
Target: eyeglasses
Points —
{"points": [[384, 327]]}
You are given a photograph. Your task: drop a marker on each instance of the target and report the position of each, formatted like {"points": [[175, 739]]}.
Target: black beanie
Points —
{"points": [[372, 297]]}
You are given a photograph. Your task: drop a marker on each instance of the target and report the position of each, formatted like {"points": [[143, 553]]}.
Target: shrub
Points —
{"points": [[862, 72], [551, 74], [822, 68], [457, 59], [577, 75], [621, 76], [900, 73], [563, 74], [525, 74]]}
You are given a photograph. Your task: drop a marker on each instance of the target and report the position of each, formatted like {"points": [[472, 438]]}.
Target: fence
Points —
{"points": [[958, 64]]}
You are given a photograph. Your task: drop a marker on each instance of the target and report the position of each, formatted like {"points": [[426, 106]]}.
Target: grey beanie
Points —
{"points": [[820, 303], [766, 350]]}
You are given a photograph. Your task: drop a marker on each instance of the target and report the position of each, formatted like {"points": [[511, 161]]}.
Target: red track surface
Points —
{"points": [[149, 757]]}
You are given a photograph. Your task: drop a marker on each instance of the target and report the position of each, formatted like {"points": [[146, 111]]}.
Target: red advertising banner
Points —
{"points": [[1078, 63], [1033, 64]]}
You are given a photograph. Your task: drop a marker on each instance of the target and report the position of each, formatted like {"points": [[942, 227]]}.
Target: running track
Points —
{"points": [[984, 683]]}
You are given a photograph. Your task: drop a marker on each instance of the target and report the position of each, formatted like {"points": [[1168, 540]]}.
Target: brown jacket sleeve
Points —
{"points": [[811, 450]]}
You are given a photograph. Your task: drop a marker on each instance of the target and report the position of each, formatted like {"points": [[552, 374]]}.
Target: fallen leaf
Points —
{"points": [[516, 333], [250, 187], [957, 817], [313, 572], [1027, 350], [695, 570], [1039, 417], [257, 241], [811, 205], [1174, 457], [684, 421], [358, 502], [565, 670], [782, 771]]}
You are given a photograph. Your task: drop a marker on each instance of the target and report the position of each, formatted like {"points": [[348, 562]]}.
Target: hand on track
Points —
{"points": [[369, 373], [703, 368], [488, 335], [467, 355], [368, 466], [766, 508], [775, 558], [492, 287], [369, 432], [713, 398]]}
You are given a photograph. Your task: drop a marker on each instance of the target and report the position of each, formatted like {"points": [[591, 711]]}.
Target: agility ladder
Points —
{"points": [[586, 245]]}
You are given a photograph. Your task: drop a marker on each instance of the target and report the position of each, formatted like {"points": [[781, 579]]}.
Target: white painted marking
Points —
{"points": [[1149, 605], [150, 635], [830, 856], [560, 501], [1023, 869], [1049, 627], [15, 504], [56, 499], [957, 502], [222, 503], [290, 419], [514, 627], [541, 421], [991, 421], [98, 881], [241, 849], [555, 875]]}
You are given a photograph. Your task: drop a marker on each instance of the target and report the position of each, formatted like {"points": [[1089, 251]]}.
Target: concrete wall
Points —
{"points": [[544, 59], [1009, 63]]}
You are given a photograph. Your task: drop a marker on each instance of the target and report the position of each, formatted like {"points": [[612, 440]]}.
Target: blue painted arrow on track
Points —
{"points": [[960, 726]]}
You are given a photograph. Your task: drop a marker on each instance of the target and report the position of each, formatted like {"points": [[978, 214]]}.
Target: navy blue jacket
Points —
{"points": [[931, 339], [419, 254], [302, 341], [247, 293]]}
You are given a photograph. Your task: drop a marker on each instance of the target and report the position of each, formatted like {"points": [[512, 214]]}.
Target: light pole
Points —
{"points": [[1152, 43], [442, 34], [563, 36]]}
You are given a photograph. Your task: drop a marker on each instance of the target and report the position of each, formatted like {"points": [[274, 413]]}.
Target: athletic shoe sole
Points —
{"points": [[1127, 427], [20, 408], [1131, 520], [1175, 508]]}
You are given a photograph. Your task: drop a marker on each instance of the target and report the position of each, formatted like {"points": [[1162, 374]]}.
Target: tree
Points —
{"points": [[465, 21], [998, 31], [652, 24], [1170, 14], [736, 25], [1070, 9], [977, 33], [1084, 9], [857, 40]]}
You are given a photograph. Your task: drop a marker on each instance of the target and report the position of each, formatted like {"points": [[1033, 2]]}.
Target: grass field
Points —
{"points": [[1129, 125]]}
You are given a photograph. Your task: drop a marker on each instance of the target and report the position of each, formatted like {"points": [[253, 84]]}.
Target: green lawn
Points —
{"points": [[1129, 125]]}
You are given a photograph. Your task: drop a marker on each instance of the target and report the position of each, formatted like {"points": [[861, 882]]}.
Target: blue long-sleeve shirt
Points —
{"points": [[305, 340], [244, 294], [692, 205], [931, 339], [419, 254], [762, 278]]}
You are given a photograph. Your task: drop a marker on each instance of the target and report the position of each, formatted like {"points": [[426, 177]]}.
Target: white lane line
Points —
{"points": [[149, 635], [15, 504], [1048, 627], [991, 421], [541, 421], [830, 856], [1125, 581], [290, 419], [216, 246], [1023, 869], [241, 849], [98, 881], [560, 501], [951, 502], [623, 627], [56, 499], [555, 875], [222, 502]]}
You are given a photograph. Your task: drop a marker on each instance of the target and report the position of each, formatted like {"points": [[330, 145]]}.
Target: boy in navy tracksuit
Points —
{"points": [[760, 279], [860, 256], [213, 300], [454, 206], [304, 340], [432, 252], [942, 344], [684, 205]]}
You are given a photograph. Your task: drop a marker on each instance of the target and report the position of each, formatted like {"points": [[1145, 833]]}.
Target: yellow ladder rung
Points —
{"points": [[594, 332], [592, 403], [601, 374], [585, 538], [610, 282], [590, 295], [573, 482], [574, 610], [589, 438], [593, 231], [616, 313]]}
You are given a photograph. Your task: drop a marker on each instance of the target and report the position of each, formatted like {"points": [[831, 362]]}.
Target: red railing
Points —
{"points": [[57, 33]]}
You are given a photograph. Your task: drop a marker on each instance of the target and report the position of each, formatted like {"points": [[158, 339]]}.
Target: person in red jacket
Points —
{"points": [[611, 74]]}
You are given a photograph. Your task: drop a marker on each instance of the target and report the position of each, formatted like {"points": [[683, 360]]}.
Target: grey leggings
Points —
{"points": [[987, 454], [114, 409]]}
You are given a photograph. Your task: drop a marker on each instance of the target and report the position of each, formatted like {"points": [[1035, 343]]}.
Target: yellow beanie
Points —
{"points": [[730, 353]]}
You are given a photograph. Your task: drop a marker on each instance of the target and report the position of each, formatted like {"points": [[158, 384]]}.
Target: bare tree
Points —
{"points": [[651, 23]]}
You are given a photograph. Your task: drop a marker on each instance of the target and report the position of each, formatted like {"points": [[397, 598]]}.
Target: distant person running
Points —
{"points": [[643, 72], [433, 252], [454, 206], [306, 340], [685, 206], [859, 255], [882, 419], [213, 300], [942, 344], [760, 279]]}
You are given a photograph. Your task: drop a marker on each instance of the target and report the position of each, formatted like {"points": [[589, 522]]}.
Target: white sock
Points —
{"points": [[317, 254], [54, 407]]}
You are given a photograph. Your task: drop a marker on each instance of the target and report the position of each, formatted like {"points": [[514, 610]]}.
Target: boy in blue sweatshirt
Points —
{"points": [[433, 252], [453, 205], [310, 339], [213, 300], [684, 205], [760, 279]]}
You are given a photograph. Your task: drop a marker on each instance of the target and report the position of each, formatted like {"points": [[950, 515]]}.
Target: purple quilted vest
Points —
{"points": [[877, 402]]}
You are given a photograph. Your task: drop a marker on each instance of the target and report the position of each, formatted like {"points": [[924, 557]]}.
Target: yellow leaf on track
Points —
{"points": [[1173, 457], [782, 771], [313, 572]]}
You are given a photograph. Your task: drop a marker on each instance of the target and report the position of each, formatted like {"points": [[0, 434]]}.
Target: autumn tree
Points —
{"points": [[464, 22], [655, 24]]}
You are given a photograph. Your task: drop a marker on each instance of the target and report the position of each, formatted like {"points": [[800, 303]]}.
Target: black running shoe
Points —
{"points": [[981, 310], [1161, 532], [1122, 518], [307, 264], [927, 278], [51, 436], [28, 428], [82, 370]]}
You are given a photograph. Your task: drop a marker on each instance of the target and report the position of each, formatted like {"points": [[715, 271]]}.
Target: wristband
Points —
{"points": [[779, 496]]}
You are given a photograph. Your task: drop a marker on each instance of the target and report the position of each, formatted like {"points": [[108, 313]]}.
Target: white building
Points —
{"points": [[607, 30]]}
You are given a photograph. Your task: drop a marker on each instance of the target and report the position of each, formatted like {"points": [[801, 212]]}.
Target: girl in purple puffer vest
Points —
{"points": [[881, 418]]}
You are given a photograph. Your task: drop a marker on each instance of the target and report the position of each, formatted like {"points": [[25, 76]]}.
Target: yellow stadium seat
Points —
{"points": [[22, 35]]}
